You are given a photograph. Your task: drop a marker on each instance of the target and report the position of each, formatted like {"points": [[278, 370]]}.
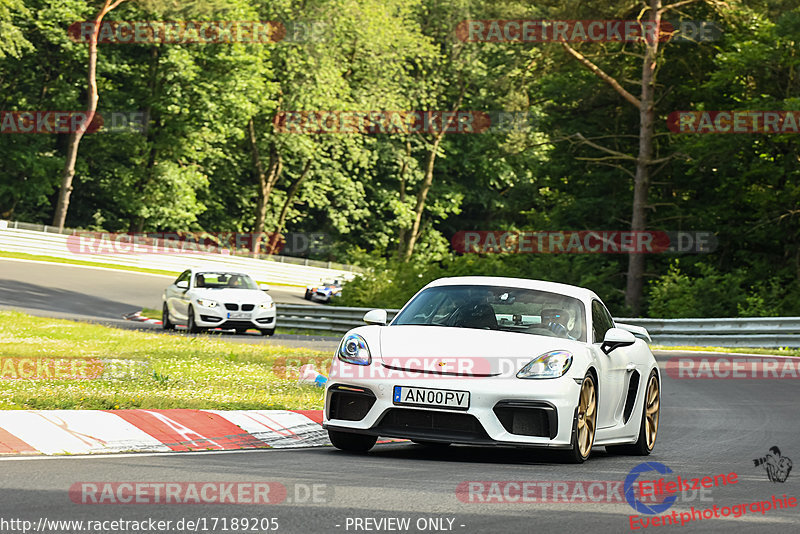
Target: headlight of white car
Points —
{"points": [[267, 305], [207, 303], [354, 350], [551, 364]]}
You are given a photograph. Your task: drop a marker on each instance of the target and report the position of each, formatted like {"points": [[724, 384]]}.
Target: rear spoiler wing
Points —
{"points": [[638, 331]]}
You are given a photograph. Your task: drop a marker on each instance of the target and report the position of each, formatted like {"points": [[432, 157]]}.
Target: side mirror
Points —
{"points": [[615, 338], [377, 317], [183, 284], [263, 287]]}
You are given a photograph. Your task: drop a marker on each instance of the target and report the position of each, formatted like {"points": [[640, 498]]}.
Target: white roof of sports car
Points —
{"points": [[524, 283]]}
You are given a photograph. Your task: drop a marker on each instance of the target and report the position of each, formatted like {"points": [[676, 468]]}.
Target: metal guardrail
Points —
{"points": [[44, 228], [768, 332], [334, 319], [47, 241]]}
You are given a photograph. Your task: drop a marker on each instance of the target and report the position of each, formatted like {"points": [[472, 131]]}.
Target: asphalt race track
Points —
{"points": [[104, 295], [709, 427]]}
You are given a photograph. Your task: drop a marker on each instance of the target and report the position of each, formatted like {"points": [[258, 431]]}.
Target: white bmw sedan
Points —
{"points": [[218, 299], [496, 361]]}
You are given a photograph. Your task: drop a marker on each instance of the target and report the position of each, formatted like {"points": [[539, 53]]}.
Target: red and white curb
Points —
{"points": [[52, 432], [139, 318]]}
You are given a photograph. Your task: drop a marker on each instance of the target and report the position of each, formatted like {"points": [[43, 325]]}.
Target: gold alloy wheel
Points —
{"points": [[651, 413], [587, 415]]}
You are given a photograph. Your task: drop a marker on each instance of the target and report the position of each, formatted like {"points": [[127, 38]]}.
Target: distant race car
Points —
{"points": [[325, 291], [496, 361], [218, 299]]}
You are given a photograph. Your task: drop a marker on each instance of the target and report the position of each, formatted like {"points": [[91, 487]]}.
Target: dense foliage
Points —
{"points": [[211, 159]]}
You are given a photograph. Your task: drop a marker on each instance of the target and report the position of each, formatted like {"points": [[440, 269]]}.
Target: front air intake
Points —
{"points": [[528, 418], [349, 403]]}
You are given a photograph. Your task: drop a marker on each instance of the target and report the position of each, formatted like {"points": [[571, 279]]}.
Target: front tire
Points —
{"points": [[584, 426], [192, 324], [648, 428], [166, 323], [308, 295], [350, 442]]}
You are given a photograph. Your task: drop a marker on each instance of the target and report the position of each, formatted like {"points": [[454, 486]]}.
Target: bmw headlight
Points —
{"points": [[207, 303], [353, 349], [267, 305], [552, 364]]}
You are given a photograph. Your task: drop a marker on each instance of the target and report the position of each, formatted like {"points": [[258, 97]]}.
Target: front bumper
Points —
{"points": [[218, 318], [546, 410]]}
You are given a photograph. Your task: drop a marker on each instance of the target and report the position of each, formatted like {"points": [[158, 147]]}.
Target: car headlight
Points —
{"points": [[353, 349], [207, 303], [267, 305], [551, 364]]}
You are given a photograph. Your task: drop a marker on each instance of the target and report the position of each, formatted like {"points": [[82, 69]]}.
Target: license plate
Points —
{"points": [[440, 398], [238, 315]]}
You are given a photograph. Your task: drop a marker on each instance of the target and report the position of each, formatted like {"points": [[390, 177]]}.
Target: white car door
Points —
{"points": [[614, 368], [176, 297]]}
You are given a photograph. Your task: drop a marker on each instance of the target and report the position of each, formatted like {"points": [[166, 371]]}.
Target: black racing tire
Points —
{"points": [[643, 447], [308, 295], [352, 442], [191, 324], [267, 331], [166, 323]]}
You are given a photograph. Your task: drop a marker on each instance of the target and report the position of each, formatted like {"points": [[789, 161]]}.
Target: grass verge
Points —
{"points": [[69, 261], [784, 351], [146, 370]]}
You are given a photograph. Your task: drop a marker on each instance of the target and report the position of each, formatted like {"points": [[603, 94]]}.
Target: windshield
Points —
{"points": [[218, 280], [509, 309]]}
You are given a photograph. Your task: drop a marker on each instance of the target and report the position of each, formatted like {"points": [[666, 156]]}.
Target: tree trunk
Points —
{"points": [[290, 194], [75, 137], [413, 234], [266, 182], [641, 181], [644, 159], [401, 234]]}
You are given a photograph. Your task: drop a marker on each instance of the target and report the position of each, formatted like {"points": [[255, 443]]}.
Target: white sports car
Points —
{"points": [[496, 361], [218, 299]]}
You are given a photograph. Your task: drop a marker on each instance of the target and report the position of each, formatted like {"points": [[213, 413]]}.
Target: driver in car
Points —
{"points": [[557, 321]]}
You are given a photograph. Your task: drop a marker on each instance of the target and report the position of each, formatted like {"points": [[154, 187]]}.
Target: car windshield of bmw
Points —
{"points": [[497, 308], [215, 280]]}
